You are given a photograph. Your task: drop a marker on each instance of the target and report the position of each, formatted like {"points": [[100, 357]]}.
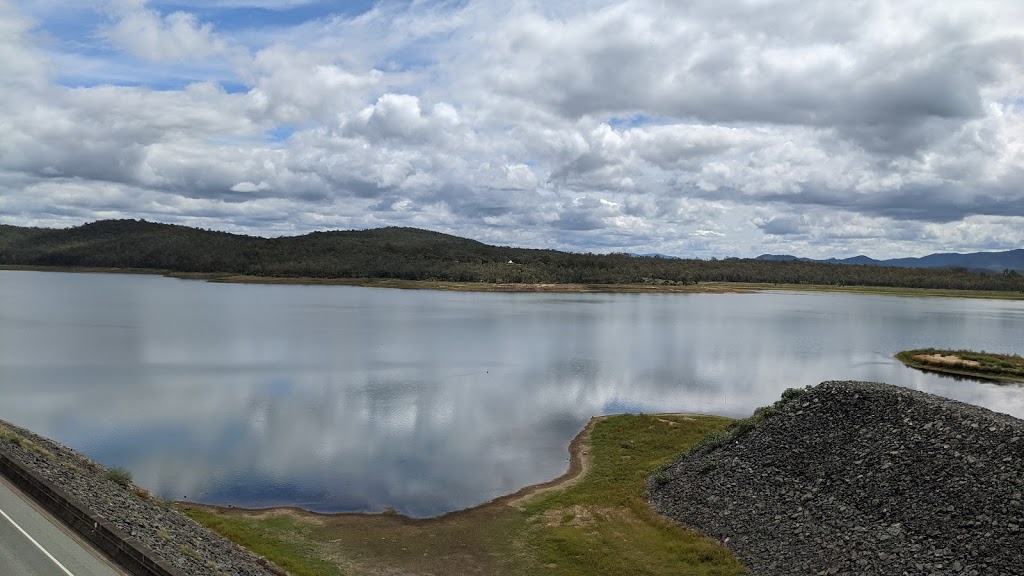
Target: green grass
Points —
{"points": [[601, 525], [119, 475], [998, 367], [883, 290], [8, 435], [625, 450], [654, 287], [738, 428], [703, 287], [283, 540]]}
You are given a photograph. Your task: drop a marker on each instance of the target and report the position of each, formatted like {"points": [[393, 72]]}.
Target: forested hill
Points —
{"points": [[412, 254]]}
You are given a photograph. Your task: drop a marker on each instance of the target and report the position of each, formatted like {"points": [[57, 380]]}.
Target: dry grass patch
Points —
{"points": [[951, 360], [8, 435], [966, 363]]}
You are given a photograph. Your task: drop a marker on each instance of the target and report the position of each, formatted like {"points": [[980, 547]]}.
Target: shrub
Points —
{"points": [[741, 427], [120, 475], [710, 441], [791, 393]]}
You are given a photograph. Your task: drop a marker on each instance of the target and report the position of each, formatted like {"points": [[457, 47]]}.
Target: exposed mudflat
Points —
{"points": [[860, 478]]}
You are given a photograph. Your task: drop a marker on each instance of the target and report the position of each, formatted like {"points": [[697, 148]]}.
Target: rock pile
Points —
{"points": [[859, 478], [175, 537]]}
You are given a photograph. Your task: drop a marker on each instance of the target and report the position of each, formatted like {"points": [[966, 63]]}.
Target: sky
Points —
{"points": [[701, 128]]}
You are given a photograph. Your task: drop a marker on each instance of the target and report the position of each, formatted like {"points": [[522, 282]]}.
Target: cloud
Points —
{"points": [[782, 225], [295, 87], [249, 187], [177, 36], [399, 116], [701, 128], [235, 4], [884, 79], [21, 65]]}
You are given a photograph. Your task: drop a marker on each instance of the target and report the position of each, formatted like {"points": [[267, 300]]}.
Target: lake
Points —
{"points": [[356, 399]]}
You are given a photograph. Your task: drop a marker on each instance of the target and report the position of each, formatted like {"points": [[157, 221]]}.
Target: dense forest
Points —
{"points": [[413, 254]]}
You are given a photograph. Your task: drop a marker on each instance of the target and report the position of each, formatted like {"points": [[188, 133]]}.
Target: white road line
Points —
{"points": [[38, 545]]}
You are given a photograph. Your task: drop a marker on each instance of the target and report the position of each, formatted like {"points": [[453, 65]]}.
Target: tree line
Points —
{"points": [[413, 254]]}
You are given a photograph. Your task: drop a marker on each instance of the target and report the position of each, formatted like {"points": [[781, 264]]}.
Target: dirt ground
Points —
{"points": [[950, 360]]}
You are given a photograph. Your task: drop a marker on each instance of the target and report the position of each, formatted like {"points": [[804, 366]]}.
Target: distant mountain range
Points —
{"points": [[979, 261], [653, 255]]}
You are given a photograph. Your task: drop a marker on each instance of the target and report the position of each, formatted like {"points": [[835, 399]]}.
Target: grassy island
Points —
{"points": [[594, 520], [966, 363]]}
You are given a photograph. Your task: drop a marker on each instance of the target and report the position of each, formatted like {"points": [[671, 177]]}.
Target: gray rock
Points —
{"points": [[845, 479], [172, 535]]}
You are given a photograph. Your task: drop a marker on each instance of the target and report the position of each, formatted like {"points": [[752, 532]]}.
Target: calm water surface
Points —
{"points": [[340, 398]]}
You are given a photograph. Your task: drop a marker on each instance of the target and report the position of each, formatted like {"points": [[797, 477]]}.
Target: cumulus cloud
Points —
{"points": [[399, 116], [148, 34], [21, 65], [292, 86], [885, 78], [700, 128]]}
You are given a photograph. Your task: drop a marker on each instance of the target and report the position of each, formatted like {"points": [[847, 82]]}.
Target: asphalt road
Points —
{"points": [[32, 543]]}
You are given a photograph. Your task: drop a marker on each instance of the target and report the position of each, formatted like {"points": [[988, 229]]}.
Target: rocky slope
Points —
{"points": [[175, 537], [859, 478]]}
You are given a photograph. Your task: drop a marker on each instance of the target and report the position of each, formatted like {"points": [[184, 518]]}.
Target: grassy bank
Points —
{"points": [[225, 278], [883, 291], [654, 288], [705, 288], [597, 522], [982, 365]]}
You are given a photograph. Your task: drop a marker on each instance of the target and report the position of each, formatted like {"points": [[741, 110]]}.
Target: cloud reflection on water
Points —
{"points": [[338, 398]]}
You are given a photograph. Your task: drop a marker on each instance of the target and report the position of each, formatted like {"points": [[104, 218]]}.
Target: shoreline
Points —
{"points": [[594, 516], [451, 286], [950, 364], [394, 283], [579, 464]]}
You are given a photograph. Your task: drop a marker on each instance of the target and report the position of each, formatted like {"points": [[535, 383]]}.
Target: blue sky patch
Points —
{"points": [[635, 121], [280, 133], [230, 19]]}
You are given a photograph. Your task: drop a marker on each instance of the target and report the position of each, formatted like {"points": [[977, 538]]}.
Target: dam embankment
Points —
{"points": [[859, 478], [142, 533]]}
